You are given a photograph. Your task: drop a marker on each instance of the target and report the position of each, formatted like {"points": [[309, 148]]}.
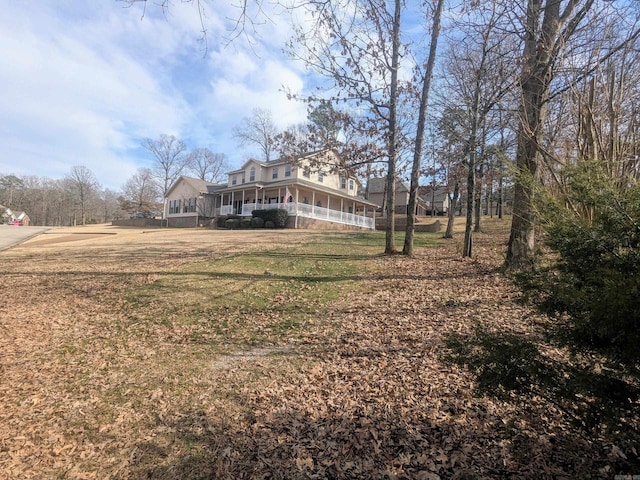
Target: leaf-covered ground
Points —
{"points": [[205, 354]]}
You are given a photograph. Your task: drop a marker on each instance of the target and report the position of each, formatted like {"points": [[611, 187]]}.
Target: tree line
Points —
{"points": [[79, 199]]}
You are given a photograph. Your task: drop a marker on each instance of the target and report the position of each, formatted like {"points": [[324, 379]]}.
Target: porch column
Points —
{"points": [[328, 204], [278, 197], [341, 209], [295, 224], [313, 203]]}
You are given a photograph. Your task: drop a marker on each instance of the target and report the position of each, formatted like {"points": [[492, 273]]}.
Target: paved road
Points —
{"points": [[11, 235]]}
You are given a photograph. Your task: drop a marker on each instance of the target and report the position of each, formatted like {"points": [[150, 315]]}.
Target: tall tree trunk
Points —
{"points": [[453, 204], [467, 249], [422, 117], [478, 202], [543, 41], [393, 133]]}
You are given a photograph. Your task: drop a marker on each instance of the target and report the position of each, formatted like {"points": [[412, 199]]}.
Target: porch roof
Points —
{"points": [[293, 183]]}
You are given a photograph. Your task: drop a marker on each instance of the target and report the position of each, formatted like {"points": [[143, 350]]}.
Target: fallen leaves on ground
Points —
{"points": [[92, 388]]}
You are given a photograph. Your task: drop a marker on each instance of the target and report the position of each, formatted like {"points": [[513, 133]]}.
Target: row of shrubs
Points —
{"points": [[272, 218]]}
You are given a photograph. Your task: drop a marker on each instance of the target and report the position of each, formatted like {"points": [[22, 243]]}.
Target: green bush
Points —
{"points": [[221, 221], [232, 223], [594, 280], [278, 216], [257, 222], [245, 223], [260, 214], [269, 224]]}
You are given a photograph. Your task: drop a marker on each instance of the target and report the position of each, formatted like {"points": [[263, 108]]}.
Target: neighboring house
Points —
{"points": [[12, 219], [438, 196], [191, 202], [314, 193], [377, 193]]}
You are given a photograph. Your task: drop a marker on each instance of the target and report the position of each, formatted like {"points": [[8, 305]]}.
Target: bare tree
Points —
{"points": [[357, 46], [548, 28], [206, 165], [259, 130], [83, 186], [110, 205], [479, 74], [9, 186], [170, 157], [140, 193], [419, 139]]}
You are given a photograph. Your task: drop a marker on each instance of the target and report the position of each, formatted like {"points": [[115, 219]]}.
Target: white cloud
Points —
{"points": [[84, 82]]}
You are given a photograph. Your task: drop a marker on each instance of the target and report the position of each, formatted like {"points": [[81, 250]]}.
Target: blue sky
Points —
{"points": [[84, 82]]}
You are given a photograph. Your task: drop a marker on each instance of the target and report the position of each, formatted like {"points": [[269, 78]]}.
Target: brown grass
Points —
{"points": [[129, 354]]}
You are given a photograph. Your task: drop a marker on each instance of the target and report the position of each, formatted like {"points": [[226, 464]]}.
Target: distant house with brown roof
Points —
{"points": [[436, 198], [377, 193]]}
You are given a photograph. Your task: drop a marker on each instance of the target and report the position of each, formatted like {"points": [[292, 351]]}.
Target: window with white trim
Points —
{"points": [[287, 170], [274, 173], [174, 206]]}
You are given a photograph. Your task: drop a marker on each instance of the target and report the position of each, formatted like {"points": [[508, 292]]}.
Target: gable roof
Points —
{"points": [[379, 185], [197, 184], [437, 194]]}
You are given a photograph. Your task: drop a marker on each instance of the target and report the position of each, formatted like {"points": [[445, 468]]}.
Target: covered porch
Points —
{"points": [[301, 202]]}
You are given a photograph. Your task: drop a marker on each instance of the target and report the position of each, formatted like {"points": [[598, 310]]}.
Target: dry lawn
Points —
{"points": [[207, 354]]}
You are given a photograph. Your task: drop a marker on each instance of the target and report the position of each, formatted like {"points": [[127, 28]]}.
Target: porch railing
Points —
{"points": [[307, 211]]}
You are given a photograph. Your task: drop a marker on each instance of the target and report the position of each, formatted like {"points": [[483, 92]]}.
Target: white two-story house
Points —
{"points": [[312, 189]]}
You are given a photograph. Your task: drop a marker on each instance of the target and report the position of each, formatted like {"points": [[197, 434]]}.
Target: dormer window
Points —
{"points": [[287, 170], [320, 177], [252, 174], [351, 184], [343, 182], [306, 173], [234, 180], [274, 173]]}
